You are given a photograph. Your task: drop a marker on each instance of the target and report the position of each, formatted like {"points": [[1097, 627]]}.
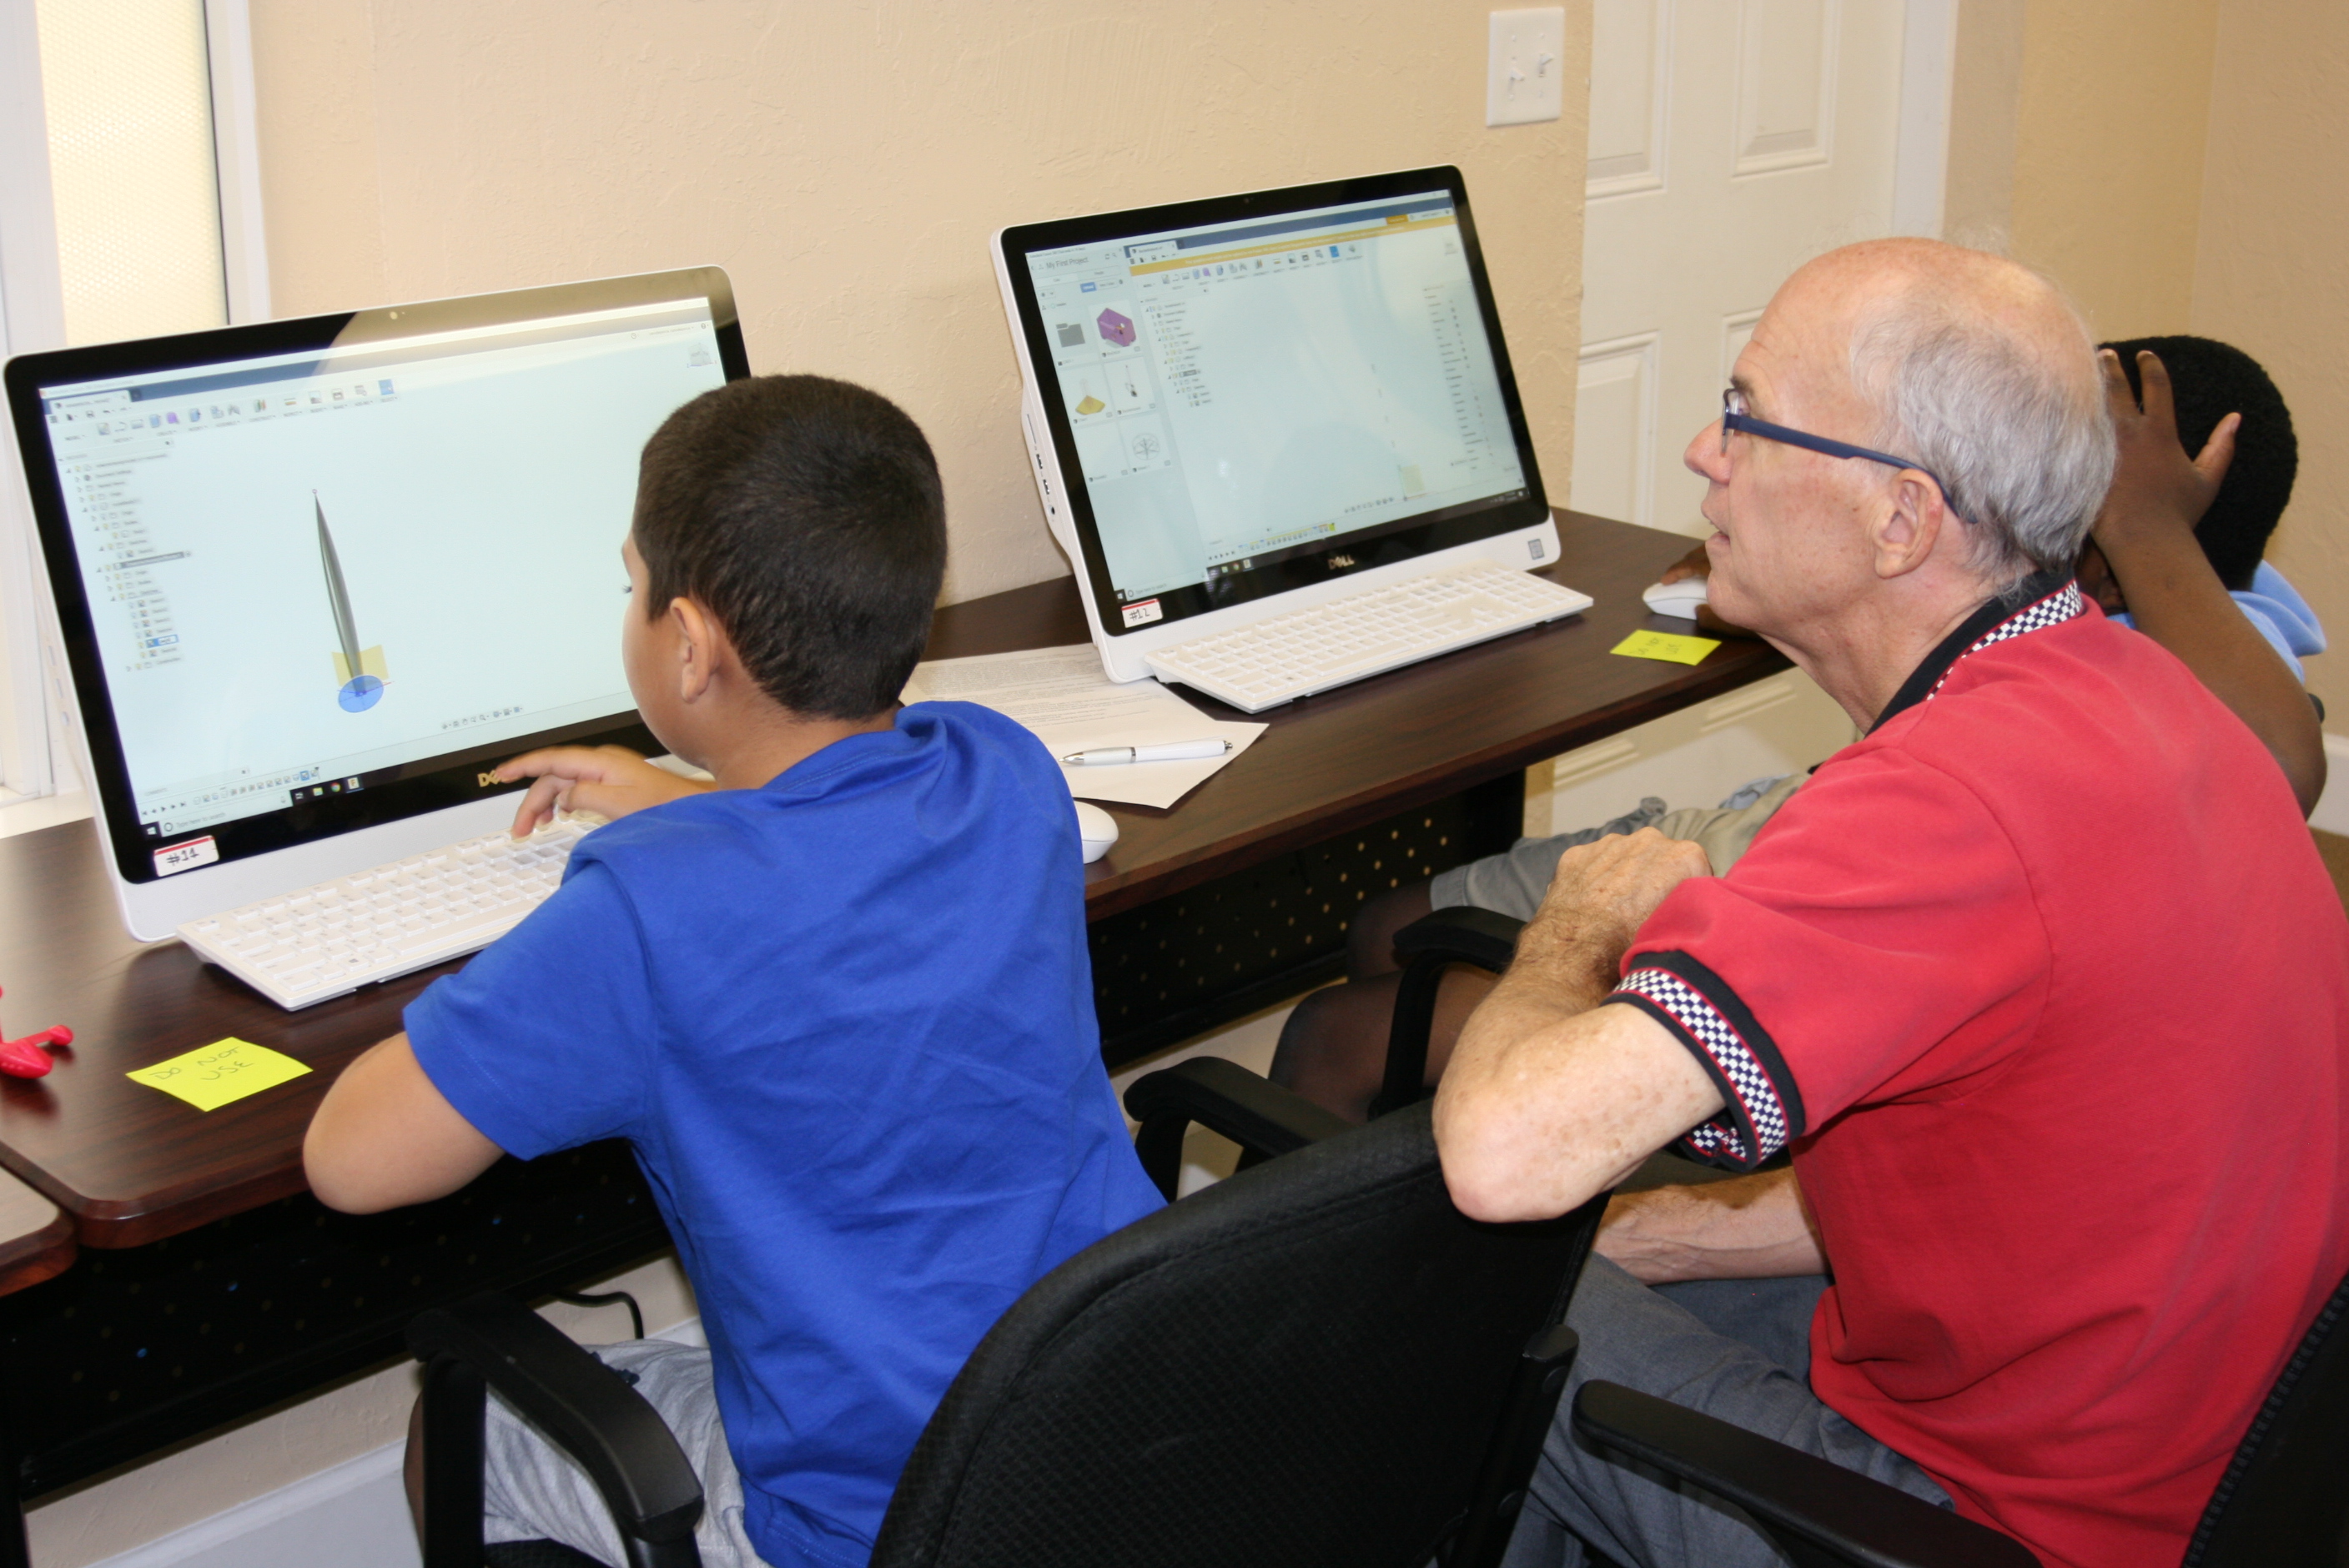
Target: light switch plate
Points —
{"points": [[1523, 73]]}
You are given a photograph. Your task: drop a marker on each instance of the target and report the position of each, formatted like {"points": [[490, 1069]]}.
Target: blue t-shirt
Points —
{"points": [[846, 1021]]}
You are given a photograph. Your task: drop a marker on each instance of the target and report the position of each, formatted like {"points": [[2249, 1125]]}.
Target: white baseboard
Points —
{"points": [[353, 1515], [2332, 813]]}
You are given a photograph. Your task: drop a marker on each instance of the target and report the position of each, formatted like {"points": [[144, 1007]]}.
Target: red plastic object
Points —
{"points": [[26, 1059]]}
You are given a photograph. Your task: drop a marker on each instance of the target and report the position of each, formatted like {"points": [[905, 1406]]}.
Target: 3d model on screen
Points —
{"points": [[358, 673], [1115, 328]]}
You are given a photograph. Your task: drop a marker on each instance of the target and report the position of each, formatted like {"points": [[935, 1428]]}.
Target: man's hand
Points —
{"points": [[1599, 896], [1549, 1096], [1749, 1227], [609, 780], [2158, 491]]}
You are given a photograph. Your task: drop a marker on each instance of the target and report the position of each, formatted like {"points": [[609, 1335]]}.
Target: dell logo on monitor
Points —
{"points": [[1341, 562], [485, 780]]}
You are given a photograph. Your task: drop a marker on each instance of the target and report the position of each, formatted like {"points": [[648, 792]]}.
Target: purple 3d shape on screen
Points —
{"points": [[1116, 329], [360, 673]]}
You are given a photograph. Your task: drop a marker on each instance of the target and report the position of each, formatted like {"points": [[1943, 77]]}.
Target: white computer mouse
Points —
{"points": [[1096, 830], [1681, 598]]}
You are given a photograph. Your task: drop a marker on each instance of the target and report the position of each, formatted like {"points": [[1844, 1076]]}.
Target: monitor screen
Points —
{"points": [[319, 582], [1244, 385]]}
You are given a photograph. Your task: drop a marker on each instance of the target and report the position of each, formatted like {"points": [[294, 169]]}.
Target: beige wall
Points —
{"points": [[846, 163], [2270, 275], [2114, 99]]}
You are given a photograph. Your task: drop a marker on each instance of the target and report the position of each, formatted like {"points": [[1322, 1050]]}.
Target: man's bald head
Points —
{"points": [[1978, 369]]}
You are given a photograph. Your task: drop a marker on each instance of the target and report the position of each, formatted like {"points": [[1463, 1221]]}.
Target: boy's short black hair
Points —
{"points": [[2211, 380], [806, 515]]}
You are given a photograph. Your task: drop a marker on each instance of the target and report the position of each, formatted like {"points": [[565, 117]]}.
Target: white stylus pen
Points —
{"points": [[1173, 751]]}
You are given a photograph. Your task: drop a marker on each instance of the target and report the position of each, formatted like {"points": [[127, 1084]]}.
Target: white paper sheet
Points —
{"points": [[1062, 696]]}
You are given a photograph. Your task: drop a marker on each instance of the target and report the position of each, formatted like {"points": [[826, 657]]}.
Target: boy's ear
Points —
{"points": [[702, 647]]}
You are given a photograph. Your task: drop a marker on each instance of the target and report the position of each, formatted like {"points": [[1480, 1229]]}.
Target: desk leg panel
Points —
{"points": [[135, 1349], [1200, 958]]}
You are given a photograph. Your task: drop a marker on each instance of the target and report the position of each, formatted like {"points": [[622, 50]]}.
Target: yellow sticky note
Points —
{"points": [[1665, 645], [211, 1076]]}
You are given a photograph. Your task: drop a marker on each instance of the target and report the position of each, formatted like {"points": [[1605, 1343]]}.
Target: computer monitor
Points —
{"points": [[314, 578], [1254, 403]]}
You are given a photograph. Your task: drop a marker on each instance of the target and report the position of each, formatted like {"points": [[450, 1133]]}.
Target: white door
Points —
{"points": [[1730, 141]]}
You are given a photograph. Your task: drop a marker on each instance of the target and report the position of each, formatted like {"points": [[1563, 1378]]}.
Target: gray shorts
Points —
{"points": [[531, 1490], [1514, 882]]}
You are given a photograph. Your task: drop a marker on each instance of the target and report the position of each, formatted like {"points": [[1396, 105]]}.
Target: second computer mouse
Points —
{"points": [[1681, 598], [1096, 830]]}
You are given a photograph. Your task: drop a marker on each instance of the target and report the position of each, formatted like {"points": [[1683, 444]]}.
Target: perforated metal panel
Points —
{"points": [[1197, 959], [129, 1350]]}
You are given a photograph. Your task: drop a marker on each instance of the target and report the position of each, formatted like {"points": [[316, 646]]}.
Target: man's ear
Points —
{"points": [[1906, 532]]}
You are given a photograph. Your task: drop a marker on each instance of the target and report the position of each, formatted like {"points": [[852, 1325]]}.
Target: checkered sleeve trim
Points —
{"points": [[1762, 1110]]}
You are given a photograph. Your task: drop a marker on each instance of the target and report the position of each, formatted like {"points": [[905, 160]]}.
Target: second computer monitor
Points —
{"points": [[1257, 396]]}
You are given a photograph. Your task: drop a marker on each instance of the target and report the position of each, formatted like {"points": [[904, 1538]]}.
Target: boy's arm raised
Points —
{"points": [[386, 1137], [609, 780], [2146, 534]]}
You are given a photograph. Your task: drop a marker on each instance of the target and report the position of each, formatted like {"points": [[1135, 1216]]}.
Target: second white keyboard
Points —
{"points": [[329, 940], [1287, 657]]}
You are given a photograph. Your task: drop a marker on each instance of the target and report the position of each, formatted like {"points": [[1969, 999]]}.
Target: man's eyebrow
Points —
{"points": [[1742, 386]]}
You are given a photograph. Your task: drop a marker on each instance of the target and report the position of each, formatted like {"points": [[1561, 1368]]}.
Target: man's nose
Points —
{"points": [[1705, 456]]}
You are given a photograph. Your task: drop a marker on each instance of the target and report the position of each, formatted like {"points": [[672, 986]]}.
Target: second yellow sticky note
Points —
{"points": [[1665, 645], [211, 1076]]}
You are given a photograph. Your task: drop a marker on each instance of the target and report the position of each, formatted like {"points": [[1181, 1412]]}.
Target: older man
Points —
{"points": [[2058, 1048]]}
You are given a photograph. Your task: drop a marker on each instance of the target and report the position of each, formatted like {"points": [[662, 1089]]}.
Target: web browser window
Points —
{"points": [[305, 570], [1244, 391]]}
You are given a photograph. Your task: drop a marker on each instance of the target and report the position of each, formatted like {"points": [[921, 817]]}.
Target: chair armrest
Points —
{"points": [[1814, 1511], [588, 1411], [1428, 947], [1263, 1119]]}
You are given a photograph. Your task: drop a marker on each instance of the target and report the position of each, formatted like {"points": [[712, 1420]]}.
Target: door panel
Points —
{"points": [[1731, 141]]}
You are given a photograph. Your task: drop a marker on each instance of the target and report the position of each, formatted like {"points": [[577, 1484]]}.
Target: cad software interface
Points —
{"points": [[307, 569], [1243, 390]]}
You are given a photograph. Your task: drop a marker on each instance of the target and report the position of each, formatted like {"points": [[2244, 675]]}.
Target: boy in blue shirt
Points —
{"points": [[837, 1001]]}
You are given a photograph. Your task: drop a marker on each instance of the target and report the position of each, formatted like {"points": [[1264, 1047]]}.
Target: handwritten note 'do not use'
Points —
{"points": [[1665, 645], [211, 1076]]}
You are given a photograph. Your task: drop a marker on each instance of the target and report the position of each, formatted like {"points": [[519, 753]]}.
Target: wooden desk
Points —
{"points": [[132, 1167]]}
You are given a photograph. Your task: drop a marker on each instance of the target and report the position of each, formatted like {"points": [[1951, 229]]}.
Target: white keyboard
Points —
{"points": [[329, 940], [1286, 656]]}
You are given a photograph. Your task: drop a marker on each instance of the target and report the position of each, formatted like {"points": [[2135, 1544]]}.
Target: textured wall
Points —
{"points": [[2270, 277], [2107, 193], [846, 163]]}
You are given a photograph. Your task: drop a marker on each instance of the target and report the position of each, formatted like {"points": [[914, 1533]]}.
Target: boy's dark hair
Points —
{"points": [[2211, 380], [806, 515]]}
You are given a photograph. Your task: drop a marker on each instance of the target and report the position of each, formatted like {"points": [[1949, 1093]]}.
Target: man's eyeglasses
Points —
{"points": [[1733, 417]]}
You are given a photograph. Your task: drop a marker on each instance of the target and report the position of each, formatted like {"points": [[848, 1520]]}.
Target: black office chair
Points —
{"points": [[1319, 1361], [2283, 1501]]}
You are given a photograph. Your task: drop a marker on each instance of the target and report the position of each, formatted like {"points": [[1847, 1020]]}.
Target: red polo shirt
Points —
{"points": [[2048, 986]]}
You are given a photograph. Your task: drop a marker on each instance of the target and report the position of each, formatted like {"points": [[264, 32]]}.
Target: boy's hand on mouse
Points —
{"points": [[2158, 494], [609, 780]]}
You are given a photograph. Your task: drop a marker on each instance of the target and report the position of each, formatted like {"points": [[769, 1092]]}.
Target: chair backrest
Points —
{"points": [[2284, 1499], [1302, 1365]]}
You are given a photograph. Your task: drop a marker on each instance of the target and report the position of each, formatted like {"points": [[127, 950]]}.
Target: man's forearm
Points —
{"points": [[1750, 1227]]}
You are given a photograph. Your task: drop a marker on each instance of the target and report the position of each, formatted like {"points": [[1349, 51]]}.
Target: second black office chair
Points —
{"points": [[1317, 1363]]}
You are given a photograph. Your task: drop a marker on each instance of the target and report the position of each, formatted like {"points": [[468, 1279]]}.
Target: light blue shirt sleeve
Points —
{"points": [[545, 1040], [2275, 608]]}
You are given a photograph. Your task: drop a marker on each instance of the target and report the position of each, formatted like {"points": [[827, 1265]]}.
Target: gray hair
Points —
{"points": [[2023, 439]]}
